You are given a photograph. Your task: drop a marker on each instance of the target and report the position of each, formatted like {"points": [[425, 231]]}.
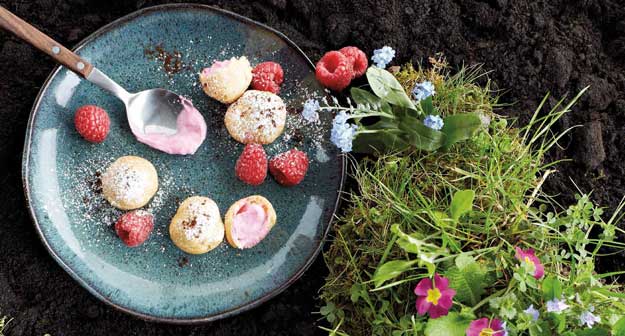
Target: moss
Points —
{"points": [[455, 93]]}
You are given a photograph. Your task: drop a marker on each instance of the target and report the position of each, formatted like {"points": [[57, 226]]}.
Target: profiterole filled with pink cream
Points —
{"points": [[250, 225]]}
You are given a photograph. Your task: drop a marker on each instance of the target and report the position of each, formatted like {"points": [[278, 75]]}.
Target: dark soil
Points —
{"points": [[533, 47]]}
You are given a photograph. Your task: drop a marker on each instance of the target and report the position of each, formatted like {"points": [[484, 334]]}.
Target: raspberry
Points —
{"points": [[267, 76], [134, 227], [358, 59], [289, 168], [334, 71], [251, 167], [92, 123]]}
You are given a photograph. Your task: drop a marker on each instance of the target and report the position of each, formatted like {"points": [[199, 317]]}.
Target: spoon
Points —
{"points": [[152, 114]]}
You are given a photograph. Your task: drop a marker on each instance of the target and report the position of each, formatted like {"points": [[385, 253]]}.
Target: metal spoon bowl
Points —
{"points": [[149, 111]]}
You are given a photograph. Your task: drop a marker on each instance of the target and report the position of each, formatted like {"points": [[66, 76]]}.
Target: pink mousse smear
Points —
{"points": [[190, 132], [249, 225], [216, 66]]}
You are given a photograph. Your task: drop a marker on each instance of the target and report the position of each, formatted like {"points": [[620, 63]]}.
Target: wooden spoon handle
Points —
{"points": [[43, 42]]}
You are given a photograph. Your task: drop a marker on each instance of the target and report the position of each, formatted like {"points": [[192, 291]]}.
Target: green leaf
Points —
{"points": [[384, 141], [450, 241], [442, 220], [384, 124], [421, 136], [552, 288], [402, 111], [597, 331], [386, 86], [464, 260], [609, 293], [393, 141], [540, 328], [453, 324], [618, 329], [391, 270], [412, 243], [558, 320], [366, 98], [461, 203], [505, 305], [428, 106], [355, 291], [467, 278], [460, 127], [327, 309]]}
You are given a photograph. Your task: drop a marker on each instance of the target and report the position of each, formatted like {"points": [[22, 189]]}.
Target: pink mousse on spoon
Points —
{"points": [[185, 138]]}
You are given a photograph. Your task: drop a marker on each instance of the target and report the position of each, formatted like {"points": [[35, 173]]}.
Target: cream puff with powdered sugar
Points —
{"points": [[227, 80], [197, 227], [257, 117], [129, 182]]}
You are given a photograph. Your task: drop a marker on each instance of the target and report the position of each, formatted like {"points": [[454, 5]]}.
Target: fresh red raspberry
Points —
{"points": [[358, 59], [92, 123], [334, 71], [134, 227], [289, 168], [251, 167], [267, 76]]}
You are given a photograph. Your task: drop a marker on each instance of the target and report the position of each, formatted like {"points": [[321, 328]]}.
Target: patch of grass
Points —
{"points": [[504, 167], [409, 191], [455, 93]]}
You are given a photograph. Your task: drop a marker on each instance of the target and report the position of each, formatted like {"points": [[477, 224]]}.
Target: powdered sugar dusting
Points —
{"points": [[201, 222], [127, 183], [86, 192], [257, 116]]}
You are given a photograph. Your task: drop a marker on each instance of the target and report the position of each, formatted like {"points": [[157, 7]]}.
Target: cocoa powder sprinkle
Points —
{"points": [[172, 61]]}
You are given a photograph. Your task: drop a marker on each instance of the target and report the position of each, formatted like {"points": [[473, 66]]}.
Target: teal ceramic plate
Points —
{"points": [[167, 46]]}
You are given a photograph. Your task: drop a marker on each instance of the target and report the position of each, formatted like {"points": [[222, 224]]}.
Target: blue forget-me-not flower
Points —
{"points": [[434, 122], [382, 57]]}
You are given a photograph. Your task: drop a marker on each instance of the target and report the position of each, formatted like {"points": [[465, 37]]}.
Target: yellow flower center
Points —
{"points": [[531, 264], [433, 296], [487, 332]]}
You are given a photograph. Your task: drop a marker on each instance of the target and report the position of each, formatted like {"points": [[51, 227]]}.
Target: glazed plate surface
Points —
{"points": [[167, 46]]}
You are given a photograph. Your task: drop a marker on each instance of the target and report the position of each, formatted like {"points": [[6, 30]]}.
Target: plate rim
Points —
{"points": [[29, 203]]}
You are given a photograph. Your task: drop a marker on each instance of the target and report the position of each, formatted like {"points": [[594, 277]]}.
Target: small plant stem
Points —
{"points": [[539, 186], [472, 252], [367, 131], [372, 114], [388, 249], [355, 112], [481, 303], [496, 294]]}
